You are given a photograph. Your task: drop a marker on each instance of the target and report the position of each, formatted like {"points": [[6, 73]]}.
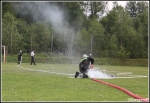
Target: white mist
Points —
{"points": [[96, 73]]}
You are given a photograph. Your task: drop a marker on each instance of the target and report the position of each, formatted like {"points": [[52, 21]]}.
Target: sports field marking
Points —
{"points": [[132, 77], [45, 71], [124, 73], [121, 73]]}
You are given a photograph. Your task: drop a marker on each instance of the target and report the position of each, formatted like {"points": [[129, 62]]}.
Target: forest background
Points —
{"points": [[63, 28]]}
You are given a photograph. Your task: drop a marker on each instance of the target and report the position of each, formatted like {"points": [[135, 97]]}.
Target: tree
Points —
{"points": [[123, 53], [7, 7], [121, 33], [142, 30], [141, 6], [40, 36], [132, 8], [23, 29], [96, 9], [140, 24], [96, 30], [135, 8], [10, 33], [82, 44]]}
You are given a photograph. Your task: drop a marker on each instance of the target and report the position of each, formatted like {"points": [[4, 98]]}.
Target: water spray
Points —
{"points": [[98, 73]]}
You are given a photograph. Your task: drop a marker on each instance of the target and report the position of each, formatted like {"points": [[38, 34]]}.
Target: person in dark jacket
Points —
{"points": [[83, 67], [85, 64], [20, 57]]}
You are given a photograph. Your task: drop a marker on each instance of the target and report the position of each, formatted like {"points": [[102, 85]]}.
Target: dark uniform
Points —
{"points": [[84, 65], [19, 57], [91, 59]]}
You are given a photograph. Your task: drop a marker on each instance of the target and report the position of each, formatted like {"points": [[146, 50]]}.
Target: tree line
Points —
{"points": [[118, 33]]}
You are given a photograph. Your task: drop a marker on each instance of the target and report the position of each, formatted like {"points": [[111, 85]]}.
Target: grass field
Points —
{"points": [[52, 82]]}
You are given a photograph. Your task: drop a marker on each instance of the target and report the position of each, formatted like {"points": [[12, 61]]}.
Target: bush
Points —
{"points": [[75, 60], [121, 62]]}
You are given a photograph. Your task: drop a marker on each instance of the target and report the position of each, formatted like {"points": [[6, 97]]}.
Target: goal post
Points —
{"points": [[4, 53]]}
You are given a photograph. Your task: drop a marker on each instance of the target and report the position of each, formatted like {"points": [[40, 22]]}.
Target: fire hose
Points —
{"points": [[124, 90]]}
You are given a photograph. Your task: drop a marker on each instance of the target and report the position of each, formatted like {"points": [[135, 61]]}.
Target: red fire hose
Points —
{"points": [[124, 90]]}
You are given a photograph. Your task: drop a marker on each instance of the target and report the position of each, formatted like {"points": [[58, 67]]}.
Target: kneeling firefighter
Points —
{"points": [[83, 67]]}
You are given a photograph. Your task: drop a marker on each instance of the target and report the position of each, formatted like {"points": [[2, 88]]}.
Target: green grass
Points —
{"points": [[20, 84]]}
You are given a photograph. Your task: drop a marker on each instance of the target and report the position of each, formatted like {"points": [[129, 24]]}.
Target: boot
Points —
{"points": [[76, 75]]}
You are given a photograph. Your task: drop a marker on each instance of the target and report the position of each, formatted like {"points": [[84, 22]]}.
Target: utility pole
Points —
{"points": [[31, 38], [11, 42], [52, 43], [91, 43]]}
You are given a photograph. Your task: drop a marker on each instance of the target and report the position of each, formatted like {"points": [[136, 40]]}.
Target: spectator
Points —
{"points": [[20, 57], [32, 57]]}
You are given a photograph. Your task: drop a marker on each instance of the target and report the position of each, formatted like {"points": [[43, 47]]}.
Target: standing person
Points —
{"points": [[32, 57], [20, 57], [83, 67], [91, 60]]}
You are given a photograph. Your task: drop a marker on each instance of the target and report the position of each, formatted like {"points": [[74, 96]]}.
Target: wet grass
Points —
{"points": [[29, 84]]}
